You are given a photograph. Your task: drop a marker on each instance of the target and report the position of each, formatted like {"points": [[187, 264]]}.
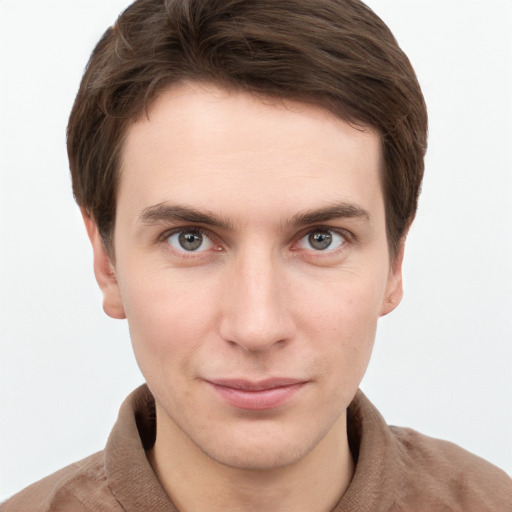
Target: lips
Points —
{"points": [[257, 395]]}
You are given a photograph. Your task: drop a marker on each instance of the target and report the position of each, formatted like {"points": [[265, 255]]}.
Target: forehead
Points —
{"points": [[210, 148]]}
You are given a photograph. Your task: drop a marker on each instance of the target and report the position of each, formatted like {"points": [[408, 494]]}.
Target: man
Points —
{"points": [[247, 172]]}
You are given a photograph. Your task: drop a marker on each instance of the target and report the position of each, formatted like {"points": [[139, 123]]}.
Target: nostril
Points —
{"points": [[256, 337]]}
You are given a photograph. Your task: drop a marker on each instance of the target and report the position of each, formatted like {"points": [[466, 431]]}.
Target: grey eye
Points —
{"points": [[320, 240], [189, 240]]}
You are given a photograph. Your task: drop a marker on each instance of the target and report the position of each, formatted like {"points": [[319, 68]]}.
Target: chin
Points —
{"points": [[265, 457], [264, 446]]}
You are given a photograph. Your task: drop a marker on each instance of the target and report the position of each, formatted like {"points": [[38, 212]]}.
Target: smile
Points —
{"points": [[257, 396]]}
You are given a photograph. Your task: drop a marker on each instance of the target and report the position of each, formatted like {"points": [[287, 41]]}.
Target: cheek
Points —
{"points": [[348, 303], [341, 320], [169, 319]]}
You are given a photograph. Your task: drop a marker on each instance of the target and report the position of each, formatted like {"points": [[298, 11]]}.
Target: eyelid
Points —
{"points": [[348, 236], [178, 229], [198, 229]]}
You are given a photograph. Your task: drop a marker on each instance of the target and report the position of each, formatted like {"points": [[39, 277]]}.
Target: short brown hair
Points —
{"points": [[336, 54]]}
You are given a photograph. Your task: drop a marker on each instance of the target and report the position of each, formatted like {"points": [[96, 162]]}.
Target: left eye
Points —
{"points": [[321, 240], [189, 240]]}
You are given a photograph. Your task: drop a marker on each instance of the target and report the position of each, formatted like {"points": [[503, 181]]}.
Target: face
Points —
{"points": [[252, 264]]}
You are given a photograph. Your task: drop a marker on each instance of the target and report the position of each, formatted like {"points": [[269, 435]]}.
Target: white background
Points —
{"points": [[442, 362]]}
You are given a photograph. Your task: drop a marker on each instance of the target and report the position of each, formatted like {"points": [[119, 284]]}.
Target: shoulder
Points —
{"points": [[451, 475], [80, 487]]}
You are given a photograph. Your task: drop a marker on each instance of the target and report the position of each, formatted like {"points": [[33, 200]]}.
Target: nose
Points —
{"points": [[256, 313]]}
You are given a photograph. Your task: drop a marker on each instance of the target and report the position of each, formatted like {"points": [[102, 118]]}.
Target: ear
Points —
{"points": [[394, 288], [104, 271]]}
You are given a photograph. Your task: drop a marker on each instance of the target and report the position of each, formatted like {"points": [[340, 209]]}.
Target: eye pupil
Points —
{"points": [[190, 241], [320, 240]]}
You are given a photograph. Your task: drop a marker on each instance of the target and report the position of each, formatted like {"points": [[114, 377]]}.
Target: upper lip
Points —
{"points": [[256, 385]]}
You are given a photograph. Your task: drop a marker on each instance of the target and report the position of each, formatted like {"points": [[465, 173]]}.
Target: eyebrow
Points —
{"points": [[335, 211], [164, 212]]}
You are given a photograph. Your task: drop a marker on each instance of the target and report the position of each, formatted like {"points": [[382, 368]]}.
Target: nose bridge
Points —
{"points": [[255, 313]]}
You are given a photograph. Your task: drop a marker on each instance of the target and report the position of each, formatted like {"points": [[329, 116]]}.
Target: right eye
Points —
{"points": [[189, 240]]}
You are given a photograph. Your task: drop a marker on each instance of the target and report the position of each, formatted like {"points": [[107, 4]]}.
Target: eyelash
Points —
{"points": [[191, 229], [346, 235]]}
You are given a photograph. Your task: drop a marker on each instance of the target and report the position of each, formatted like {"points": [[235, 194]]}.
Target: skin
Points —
{"points": [[257, 298]]}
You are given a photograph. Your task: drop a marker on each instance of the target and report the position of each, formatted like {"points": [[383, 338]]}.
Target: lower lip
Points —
{"points": [[260, 400]]}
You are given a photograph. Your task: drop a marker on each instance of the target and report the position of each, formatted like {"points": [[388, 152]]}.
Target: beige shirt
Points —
{"points": [[396, 470]]}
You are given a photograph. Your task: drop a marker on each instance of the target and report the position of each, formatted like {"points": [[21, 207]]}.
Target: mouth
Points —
{"points": [[257, 395]]}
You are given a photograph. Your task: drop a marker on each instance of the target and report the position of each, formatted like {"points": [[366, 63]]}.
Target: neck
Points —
{"points": [[197, 483]]}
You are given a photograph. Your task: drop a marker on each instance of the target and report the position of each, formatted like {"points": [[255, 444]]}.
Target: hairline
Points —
{"points": [[156, 90]]}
